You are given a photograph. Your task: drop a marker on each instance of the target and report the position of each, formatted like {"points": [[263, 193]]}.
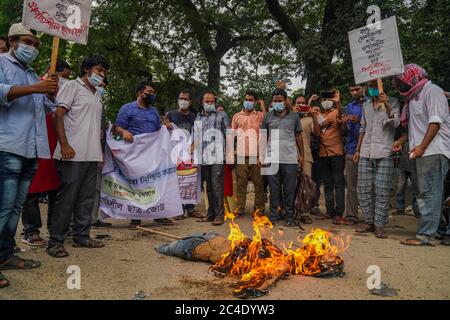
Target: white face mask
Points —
{"points": [[327, 104], [183, 104]]}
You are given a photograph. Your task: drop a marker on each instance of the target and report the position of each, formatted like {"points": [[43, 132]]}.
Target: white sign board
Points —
{"points": [[376, 51], [66, 19]]}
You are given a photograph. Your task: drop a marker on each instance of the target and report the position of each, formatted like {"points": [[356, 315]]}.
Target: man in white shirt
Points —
{"points": [[78, 153], [427, 117]]}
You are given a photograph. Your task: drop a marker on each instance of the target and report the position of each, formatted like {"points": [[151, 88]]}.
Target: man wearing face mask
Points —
{"points": [[327, 126], [246, 126], [426, 115], [352, 120], [23, 136], [138, 117], [212, 152], [184, 119], [283, 184], [78, 153], [45, 180], [379, 119]]}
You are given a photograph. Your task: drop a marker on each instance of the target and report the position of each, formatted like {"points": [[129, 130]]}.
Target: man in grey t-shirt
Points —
{"points": [[286, 124]]}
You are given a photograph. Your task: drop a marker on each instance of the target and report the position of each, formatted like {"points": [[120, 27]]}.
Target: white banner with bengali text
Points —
{"points": [[139, 179]]}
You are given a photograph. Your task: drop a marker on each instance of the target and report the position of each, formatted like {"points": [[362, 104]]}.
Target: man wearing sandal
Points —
{"points": [[427, 117], [380, 118], [77, 155], [23, 138]]}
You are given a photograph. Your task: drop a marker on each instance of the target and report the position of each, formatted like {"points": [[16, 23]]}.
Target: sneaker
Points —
{"points": [[34, 240], [101, 224]]}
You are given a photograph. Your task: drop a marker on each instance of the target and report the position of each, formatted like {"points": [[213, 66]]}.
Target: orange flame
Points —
{"points": [[258, 261]]}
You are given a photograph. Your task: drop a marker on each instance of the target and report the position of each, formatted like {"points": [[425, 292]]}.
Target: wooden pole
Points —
{"points": [[55, 49], [167, 235], [380, 89]]}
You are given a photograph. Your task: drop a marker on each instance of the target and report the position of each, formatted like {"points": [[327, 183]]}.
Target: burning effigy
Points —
{"points": [[257, 261]]}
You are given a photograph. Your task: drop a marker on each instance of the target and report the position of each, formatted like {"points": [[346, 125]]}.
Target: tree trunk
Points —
{"points": [[214, 73]]}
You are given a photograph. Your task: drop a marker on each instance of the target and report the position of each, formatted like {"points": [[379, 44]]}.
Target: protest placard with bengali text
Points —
{"points": [[66, 19], [376, 51]]}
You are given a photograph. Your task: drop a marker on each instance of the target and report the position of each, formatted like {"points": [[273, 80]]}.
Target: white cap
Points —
{"points": [[18, 29]]}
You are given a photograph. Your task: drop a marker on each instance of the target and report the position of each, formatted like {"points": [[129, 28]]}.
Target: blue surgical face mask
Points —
{"points": [[95, 79], [26, 53], [101, 91], [209, 107], [249, 105], [278, 106], [373, 92]]}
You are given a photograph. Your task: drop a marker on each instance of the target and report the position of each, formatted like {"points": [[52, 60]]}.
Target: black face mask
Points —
{"points": [[150, 99], [403, 87]]}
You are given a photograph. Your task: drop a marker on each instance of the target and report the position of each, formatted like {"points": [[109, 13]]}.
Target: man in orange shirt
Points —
{"points": [[246, 126], [327, 126]]}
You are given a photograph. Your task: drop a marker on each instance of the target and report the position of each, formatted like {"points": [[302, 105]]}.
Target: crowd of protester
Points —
{"points": [[52, 136]]}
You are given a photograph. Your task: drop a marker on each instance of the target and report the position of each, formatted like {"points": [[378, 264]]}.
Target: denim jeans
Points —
{"points": [[16, 173], [31, 214], [184, 248], [401, 193], [431, 172]]}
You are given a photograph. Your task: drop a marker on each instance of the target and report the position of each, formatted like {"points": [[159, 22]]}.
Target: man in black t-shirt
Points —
{"points": [[183, 118]]}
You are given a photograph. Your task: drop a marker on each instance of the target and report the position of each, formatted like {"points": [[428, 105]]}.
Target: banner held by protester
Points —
{"points": [[376, 51], [139, 179]]}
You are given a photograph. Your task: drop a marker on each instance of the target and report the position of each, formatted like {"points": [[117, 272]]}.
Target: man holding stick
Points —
{"points": [[23, 136]]}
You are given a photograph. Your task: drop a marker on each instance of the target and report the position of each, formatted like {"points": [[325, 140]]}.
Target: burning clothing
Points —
{"points": [[208, 247]]}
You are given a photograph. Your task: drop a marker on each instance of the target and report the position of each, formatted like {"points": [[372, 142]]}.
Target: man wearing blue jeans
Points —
{"points": [[427, 117], [23, 136]]}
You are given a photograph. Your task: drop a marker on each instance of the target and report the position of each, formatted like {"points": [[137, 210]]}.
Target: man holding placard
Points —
{"points": [[380, 117], [23, 136]]}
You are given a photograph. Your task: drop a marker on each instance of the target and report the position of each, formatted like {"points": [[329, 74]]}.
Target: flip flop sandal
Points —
{"points": [[416, 243], [205, 219], [195, 214], [164, 221], [57, 251], [306, 219], [350, 222], [338, 220], [91, 243], [3, 281], [16, 263]]}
